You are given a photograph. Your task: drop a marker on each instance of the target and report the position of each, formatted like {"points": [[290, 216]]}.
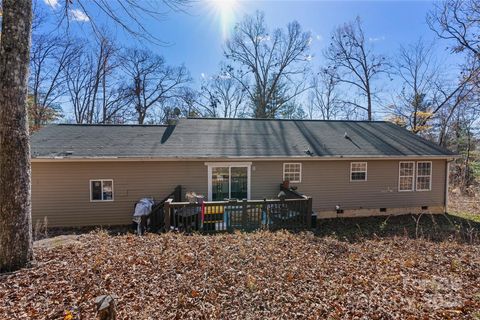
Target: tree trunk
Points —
{"points": [[141, 117], [369, 103], [15, 207]]}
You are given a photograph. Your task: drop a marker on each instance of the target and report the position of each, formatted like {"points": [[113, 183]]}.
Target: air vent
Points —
{"points": [[424, 207], [383, 209], [340, 211]]}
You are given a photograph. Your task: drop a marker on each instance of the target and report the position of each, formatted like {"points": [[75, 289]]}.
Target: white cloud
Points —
{"points": [[375, 39], [225, 76], [79, 15], [263, 38], [51, 3], [319, 37], [203, 75]]}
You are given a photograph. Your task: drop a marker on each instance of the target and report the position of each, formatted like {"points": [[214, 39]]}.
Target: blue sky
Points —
{"points": [[196, 37]]}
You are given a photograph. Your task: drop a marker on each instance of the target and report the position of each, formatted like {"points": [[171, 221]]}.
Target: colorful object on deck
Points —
{"points": [[214, 214]]}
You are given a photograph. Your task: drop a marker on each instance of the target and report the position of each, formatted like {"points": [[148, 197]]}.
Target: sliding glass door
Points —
{"points": [[229, 181], [220, 183], [238, 183]]}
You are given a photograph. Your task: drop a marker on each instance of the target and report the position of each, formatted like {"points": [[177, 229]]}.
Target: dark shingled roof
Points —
{"points": [[223, 138]]}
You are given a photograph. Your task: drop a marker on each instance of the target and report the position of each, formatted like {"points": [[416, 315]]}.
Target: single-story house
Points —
{"points": [[94, 174]]}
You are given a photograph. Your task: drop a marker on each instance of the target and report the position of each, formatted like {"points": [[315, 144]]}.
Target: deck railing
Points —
{"points": [[214, 216], [157, 215]]}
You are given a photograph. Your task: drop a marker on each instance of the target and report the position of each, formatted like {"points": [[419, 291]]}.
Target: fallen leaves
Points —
{"points": [[247, 276]]}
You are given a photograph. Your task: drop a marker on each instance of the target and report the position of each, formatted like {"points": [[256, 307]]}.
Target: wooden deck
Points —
{"points": [[247, 215]]}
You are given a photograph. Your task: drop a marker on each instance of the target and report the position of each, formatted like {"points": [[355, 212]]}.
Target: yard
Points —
{"points": [[258, 275]]}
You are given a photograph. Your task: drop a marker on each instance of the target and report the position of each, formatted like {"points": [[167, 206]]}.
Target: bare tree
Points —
{"points": [[325, 96], [465, 97], [425, 93], [420, 86], [458, 130], [108, 99], [150, 81], [457, 20], [93, 83], [458, 111], [15, 201], [79, 83], [222, 96], [15, 181], [49, 57], [129, 15], [187, 103], [356, 63], [271, 67]]}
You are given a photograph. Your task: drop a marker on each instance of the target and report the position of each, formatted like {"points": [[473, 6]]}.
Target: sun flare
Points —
{"points": [[225, 11]]}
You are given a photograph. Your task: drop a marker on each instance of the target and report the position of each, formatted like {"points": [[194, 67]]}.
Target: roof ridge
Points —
{"points": [[109, 125], [212, 118], [303, 120]]}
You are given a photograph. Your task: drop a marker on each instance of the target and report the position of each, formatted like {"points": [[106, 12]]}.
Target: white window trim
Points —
{"points": [[414, 176], [102, 180], [300, 175], [366, 171], [211, 165], [417, 176]]}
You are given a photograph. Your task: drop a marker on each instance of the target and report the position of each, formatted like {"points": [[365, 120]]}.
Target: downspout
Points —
{"points": [[447, 183]]}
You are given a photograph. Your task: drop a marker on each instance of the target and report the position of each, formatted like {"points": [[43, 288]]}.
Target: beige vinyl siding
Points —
{"points": [[380, 191], [328, 183], [60, 190]]}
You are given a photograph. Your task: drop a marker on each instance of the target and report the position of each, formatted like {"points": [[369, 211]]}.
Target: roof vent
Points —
{"points": [[69, 153], [346, 135], [308, 152]]}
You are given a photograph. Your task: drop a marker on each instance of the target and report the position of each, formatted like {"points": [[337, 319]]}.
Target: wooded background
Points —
{"points": [[267, 73]]}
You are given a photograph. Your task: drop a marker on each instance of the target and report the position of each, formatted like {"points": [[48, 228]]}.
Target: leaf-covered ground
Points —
{"points": [[467, 207], [247, 276], [436, 227]]}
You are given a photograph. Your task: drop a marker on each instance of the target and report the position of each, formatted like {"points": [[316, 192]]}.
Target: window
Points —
{"points": [[406, 176], [292, 172], [424, 176], [228, 180], [101, 190], [358, 171]]}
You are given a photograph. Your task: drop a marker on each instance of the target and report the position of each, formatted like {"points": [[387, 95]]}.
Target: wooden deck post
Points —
{"points": [[265, 214], [309, 212], [166, 214], [244, 213]]}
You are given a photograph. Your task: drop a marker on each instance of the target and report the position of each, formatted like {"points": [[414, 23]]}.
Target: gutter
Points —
{"points": [[240, 158]]}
